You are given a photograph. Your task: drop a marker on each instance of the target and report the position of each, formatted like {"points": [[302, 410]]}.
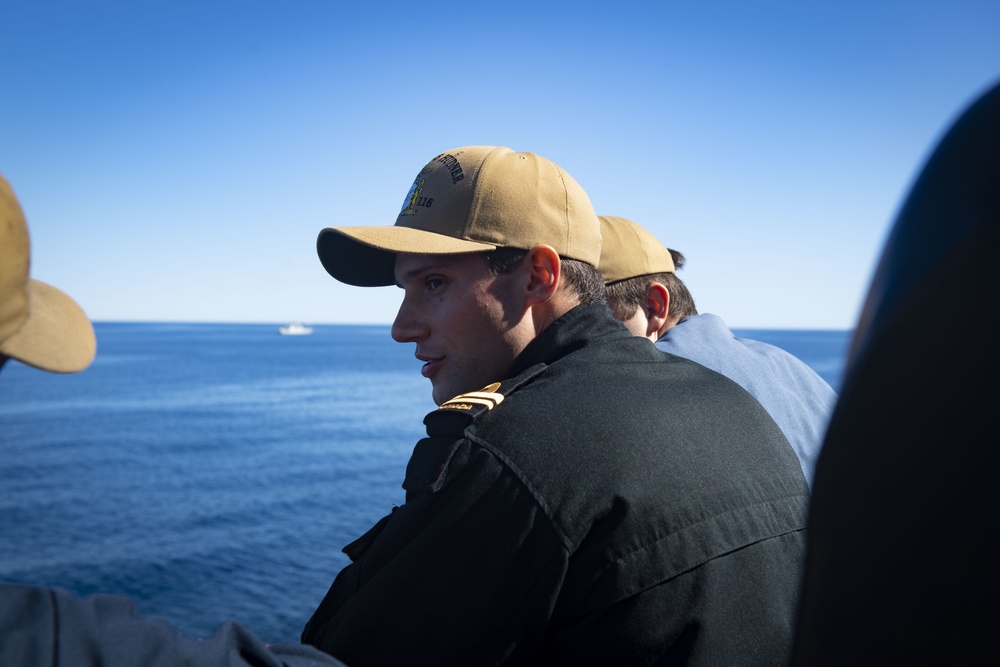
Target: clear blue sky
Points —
{"points": [[177, 159]]}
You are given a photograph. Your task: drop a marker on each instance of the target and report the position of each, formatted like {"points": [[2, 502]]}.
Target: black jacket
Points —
{"points": [[610, 504]]}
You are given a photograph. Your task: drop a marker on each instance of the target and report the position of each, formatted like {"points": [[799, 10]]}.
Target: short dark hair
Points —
{"points": [[503, 260], [624, 297], [585, 280]]}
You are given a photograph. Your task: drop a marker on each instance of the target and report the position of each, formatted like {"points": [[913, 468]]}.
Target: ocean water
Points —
{"points": [[214, 471]]}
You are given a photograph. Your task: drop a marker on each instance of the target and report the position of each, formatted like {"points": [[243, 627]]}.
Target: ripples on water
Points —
{"points": [[212, 472]]}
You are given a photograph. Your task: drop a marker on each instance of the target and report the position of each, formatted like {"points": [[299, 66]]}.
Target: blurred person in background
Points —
{"points": [[644, 292]]}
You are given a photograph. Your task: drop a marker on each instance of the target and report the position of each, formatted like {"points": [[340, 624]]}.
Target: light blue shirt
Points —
{"points": [[796, 397]]}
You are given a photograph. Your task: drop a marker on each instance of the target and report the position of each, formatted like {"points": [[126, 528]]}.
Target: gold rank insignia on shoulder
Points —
{"points": [[487, 397], [474, 404]]}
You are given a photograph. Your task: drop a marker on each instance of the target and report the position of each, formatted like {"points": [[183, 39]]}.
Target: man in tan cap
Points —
{"points": [[43, 327], [580, 497], [645, 293]]}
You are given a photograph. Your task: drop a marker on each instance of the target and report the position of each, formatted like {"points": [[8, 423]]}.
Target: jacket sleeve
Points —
{"points": [[45, 626], [466, 572]]}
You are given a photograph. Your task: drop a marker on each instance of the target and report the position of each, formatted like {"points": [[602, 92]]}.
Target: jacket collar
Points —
{"points": [[583, 325]]}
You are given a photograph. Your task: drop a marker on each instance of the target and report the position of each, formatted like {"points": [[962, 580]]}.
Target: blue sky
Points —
{"points": [[176, 160]]}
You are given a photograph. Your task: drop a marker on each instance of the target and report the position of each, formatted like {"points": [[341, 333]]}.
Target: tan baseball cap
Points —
{"points": [[39, 325], [470, 199], [629, 250]]}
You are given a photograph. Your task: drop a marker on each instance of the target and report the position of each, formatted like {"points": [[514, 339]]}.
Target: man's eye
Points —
{"points": [[434, 283]]}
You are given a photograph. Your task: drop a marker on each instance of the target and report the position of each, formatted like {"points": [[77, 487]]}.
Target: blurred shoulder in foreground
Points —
{"points": [[904, 543]]}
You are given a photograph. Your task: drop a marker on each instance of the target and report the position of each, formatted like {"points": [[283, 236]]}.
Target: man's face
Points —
{"points": [[463, 319]]}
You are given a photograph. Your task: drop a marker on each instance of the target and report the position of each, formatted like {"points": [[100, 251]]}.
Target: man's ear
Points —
{"points": [[544, 273], [657, 307]]}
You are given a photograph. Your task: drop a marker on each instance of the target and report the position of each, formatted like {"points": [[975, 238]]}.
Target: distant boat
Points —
{"points": [[295, 329]]}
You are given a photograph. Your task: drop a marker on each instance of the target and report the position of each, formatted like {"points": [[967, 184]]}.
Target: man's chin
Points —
{"points": [[437, 394], [441, 393]]}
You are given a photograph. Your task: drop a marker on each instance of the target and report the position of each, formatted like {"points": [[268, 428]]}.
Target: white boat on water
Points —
{"points": [[295, 329]]}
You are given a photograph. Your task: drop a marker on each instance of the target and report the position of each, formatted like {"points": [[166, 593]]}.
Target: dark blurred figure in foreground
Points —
{"points": [[43, 327], [904, 542]]}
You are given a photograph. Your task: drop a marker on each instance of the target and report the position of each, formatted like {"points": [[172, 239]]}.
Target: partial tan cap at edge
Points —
{"points": [[39, 325]]}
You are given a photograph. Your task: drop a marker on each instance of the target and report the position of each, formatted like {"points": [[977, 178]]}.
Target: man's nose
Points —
{"points": [[407, 327]]}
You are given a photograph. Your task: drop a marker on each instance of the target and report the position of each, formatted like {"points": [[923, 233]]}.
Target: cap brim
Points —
{"points": [[56, 337], [366, 256]]}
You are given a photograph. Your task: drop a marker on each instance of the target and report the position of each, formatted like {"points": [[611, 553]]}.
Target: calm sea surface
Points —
{"points": [[214, 471]]}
